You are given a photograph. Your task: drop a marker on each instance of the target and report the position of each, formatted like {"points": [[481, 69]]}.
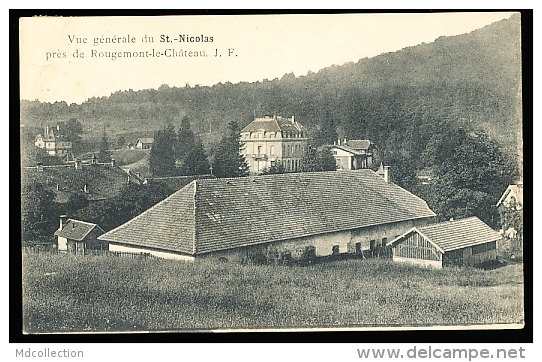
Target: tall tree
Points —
{"points": [[315, 160], [228, 160], [327, 134], [38, 212], [469, 173], [186, 140], [325, 160], [162, 157], [196, 162], [104, 155]]}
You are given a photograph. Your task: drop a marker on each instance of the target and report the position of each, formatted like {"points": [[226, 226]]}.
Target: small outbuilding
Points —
{"points": [[465, 242], [77, 237], [144, 143]]}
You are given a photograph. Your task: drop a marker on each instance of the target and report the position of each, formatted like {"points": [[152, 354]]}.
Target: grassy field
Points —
{"points": [[68, 293]]}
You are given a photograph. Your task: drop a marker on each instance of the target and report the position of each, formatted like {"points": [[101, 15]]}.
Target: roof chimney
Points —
{"points": [[344, 142], [39, 166], [387, 176], [293, 121], [113, 163], [58, 127], [85, 188], [63, 219], [77, 164]]}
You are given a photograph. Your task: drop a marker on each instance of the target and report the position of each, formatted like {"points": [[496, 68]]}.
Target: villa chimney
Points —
{"points": [[57, 187], [293, 121], [77, 164], [85, 188], [46, 130], [138, 174], [339, 141], [63, 219], [387, 176], [39, 166], [344, 141], [113, 163], [94, 160], [58, 127]]}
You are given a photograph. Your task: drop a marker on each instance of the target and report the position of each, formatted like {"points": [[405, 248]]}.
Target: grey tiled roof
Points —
{"points": [[146, 140], [457, 234], [103, 180], [76, 229], [359, 144], [210, 215], [272, 124]]}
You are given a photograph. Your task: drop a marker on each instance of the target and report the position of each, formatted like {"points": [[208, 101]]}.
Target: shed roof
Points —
{"points": [[359, 144], [77, 229], [344, 148], [146, 140], [217, 214], [457, 234]]}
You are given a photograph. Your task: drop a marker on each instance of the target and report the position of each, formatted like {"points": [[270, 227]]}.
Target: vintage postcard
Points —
{"points": [[272, 172]]}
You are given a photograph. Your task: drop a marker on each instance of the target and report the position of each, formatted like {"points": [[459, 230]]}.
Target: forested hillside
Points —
{"points": [[466, 85], [470, 79]]}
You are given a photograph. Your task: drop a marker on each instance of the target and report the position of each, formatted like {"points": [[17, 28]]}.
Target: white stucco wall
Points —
{"points": [[323, 244], [158, 254], [62, 244], [378, 232]]}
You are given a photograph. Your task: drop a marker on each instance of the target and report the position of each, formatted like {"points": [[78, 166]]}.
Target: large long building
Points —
{"points": [[293, 215], [270, 141]]}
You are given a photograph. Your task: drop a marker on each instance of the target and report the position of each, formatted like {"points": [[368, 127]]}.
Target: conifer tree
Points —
{"points": [[196, 162], [186, 140], [228, 160], [162, 158], [104, 155]]}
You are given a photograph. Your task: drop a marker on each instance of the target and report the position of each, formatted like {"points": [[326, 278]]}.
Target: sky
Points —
{"points": [[262, 47]]}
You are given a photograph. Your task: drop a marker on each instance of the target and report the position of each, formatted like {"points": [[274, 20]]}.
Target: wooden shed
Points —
{"points": [[465, 242], [78, 237]]}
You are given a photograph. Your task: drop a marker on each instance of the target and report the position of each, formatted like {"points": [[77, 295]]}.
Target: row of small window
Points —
{"points": [[285, 134]]}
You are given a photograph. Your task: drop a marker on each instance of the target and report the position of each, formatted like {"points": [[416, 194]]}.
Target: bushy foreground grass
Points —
{"points": [[63, 293]]}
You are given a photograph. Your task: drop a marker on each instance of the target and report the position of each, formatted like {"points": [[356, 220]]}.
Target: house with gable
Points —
{"points": [[144, 143], [273, 217], [78, 237], [465, 242], [352, 154], [54, 142], [270, 141]]}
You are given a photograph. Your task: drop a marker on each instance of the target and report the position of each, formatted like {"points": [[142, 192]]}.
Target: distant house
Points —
{"points": [[512, 196], [53, 142], [77, 237], [465, 242], [270, 141], [353, 154], [273, 217], [144, 143]]}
